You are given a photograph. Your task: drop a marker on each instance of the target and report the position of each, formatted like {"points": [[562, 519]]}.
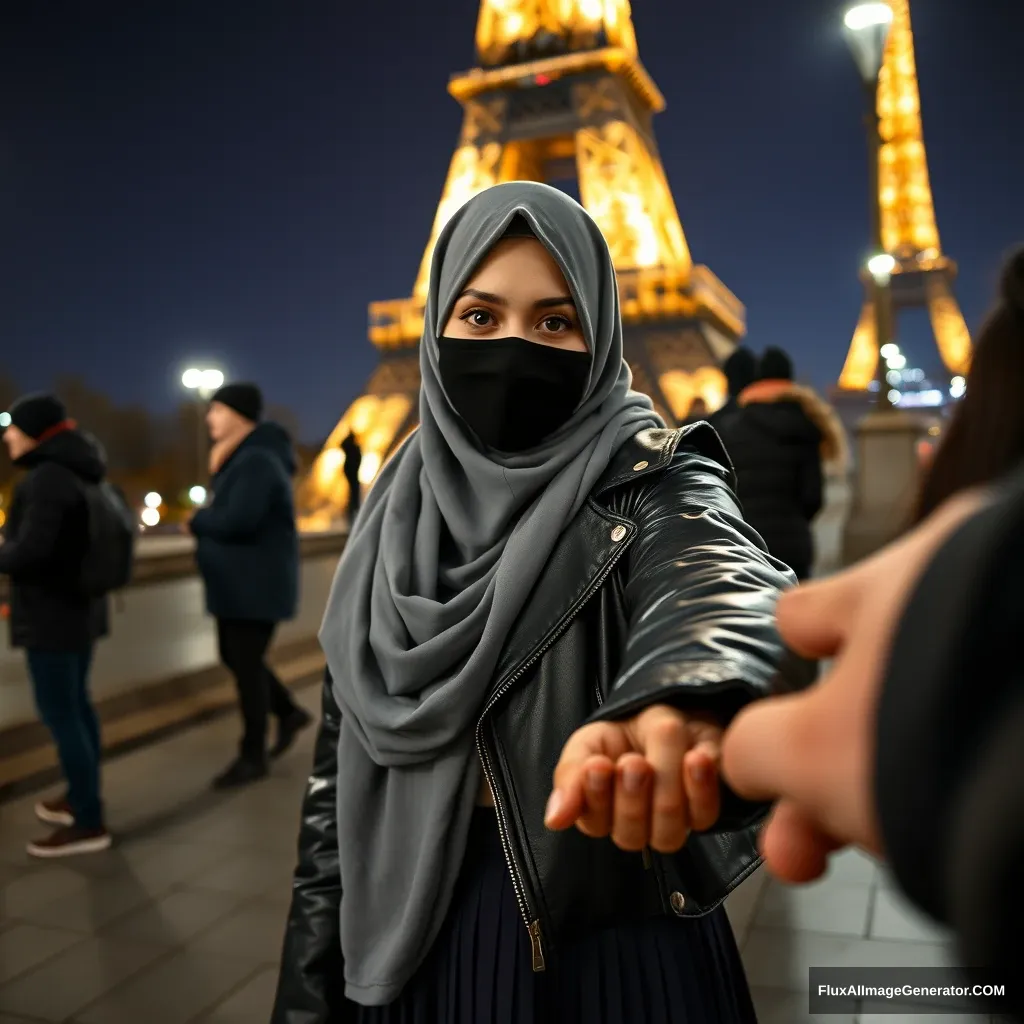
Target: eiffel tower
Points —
{"points": [[923, 276], [559, 92]]}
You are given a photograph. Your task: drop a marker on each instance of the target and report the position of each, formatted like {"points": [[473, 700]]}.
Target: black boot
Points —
{"points": [[241, 773], [288, 728]]}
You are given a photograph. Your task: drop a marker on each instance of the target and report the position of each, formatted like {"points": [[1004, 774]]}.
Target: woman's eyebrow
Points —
{"points": [[498, 300], [557, 300]]}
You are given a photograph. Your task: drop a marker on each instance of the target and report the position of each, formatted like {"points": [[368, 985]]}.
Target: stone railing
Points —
{"points": [[158, 559]]}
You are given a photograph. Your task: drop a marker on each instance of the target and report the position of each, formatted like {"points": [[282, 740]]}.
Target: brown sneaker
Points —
{"points": [[70, 841], [55, 812]]}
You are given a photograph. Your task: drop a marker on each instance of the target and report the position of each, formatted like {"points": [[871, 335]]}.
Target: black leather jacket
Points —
{"points": [[656, 593]]}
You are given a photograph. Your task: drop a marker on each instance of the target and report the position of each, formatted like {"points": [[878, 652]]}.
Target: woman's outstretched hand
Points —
{"points": [[647, 781]]}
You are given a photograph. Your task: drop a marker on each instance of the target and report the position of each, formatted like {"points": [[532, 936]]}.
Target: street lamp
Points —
{"points": [[867, 31], [204, 382]]}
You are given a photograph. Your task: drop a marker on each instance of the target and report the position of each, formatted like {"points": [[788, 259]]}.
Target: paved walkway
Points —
{"points": [[182, 921]]}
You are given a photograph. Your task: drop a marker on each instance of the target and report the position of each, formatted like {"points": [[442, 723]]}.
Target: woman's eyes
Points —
{"points": [[557, 324], [483, 318], [477, 318]]}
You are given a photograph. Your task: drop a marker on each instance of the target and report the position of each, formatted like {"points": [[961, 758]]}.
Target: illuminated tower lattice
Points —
{"points": [[559, 92], [923, 275]]}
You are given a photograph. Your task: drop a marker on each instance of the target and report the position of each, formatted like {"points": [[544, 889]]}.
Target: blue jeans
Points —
{"points": [[60, 680]]}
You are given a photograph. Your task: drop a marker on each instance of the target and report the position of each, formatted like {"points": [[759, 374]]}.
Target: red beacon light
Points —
{"points": [[541, 79]]}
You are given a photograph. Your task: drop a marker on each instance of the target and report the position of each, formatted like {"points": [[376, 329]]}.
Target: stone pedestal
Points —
{"points": [[887, 476]]}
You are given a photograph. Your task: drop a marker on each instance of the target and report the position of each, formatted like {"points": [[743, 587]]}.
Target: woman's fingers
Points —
{"points": [[568, 801], [631, 817], [598, 790], [664, 739], [700, 775]]}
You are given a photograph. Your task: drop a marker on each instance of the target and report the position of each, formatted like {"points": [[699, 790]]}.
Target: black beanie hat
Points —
{"points": [[740, 370], [35, 414], [775, 365], [245, 399]]}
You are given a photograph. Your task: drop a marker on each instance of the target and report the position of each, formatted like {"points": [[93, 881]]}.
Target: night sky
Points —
{"points": [[234, 182]]}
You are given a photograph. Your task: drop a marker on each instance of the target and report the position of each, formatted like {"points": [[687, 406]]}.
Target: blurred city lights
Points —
{"points": [[203, 381], [5, 420], [150, 517], [153, 500], [957, 387], [197, 495], [894, 396], [890, 350], [896, 362]]}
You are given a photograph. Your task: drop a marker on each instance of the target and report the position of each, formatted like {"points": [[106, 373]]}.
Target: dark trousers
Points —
{"points": [[243, 648], [60, 682]]}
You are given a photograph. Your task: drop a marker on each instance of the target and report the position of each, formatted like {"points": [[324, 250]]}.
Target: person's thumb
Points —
{"points": [[795, 849], [813, 618], [764, 751]]}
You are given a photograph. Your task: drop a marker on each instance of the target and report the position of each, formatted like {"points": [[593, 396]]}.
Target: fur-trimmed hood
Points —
{"points": [[835, 449]]}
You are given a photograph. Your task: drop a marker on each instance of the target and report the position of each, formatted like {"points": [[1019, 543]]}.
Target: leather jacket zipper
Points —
{"points": [[533, 925]]}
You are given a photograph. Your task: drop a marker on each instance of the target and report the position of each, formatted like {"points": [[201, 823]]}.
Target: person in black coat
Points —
{"points": [[353, 463], [740, 371], [775, 438], [248, 553], [45, 541]]}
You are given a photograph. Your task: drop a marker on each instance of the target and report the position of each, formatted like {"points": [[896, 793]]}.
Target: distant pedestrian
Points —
{"points": [[778, 438], [248, 554], [698, 411], [58, 549], [353, 463], [740, 371]]}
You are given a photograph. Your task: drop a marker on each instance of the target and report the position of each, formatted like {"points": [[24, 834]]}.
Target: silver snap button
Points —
{"points": [[639, 466], [678, 902], [618, 533]]}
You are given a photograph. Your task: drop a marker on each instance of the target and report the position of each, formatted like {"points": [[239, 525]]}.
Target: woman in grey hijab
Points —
{"points": [[543, 571]]}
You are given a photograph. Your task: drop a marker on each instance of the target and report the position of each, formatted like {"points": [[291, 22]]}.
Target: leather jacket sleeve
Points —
{"points": [[700, 593], [311, 984]]}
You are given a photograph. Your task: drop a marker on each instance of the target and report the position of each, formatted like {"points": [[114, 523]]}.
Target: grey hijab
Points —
{"points": [[442, 559]]}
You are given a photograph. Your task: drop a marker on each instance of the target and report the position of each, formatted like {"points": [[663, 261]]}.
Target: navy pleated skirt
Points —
{"points": [[662, 971]]}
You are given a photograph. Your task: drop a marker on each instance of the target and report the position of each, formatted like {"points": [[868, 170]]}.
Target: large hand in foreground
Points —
{"points": [[646, 781], [814, 751]]}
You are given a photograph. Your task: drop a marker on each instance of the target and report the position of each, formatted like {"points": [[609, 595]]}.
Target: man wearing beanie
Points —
{"points": [[46, 540], [740, 371], [247, 549]]}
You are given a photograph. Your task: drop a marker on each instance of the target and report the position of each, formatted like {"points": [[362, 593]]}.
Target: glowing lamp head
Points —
{"points": [[867, 31], [867, 16], [192, 378], [880, 267]]}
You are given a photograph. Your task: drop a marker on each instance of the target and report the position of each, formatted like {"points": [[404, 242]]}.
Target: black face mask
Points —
{"points": [[512, 393]]}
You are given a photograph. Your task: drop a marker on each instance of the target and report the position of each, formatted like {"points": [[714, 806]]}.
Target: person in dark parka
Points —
{"points": [[248, 554], [45, 542], [777, 439]]}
